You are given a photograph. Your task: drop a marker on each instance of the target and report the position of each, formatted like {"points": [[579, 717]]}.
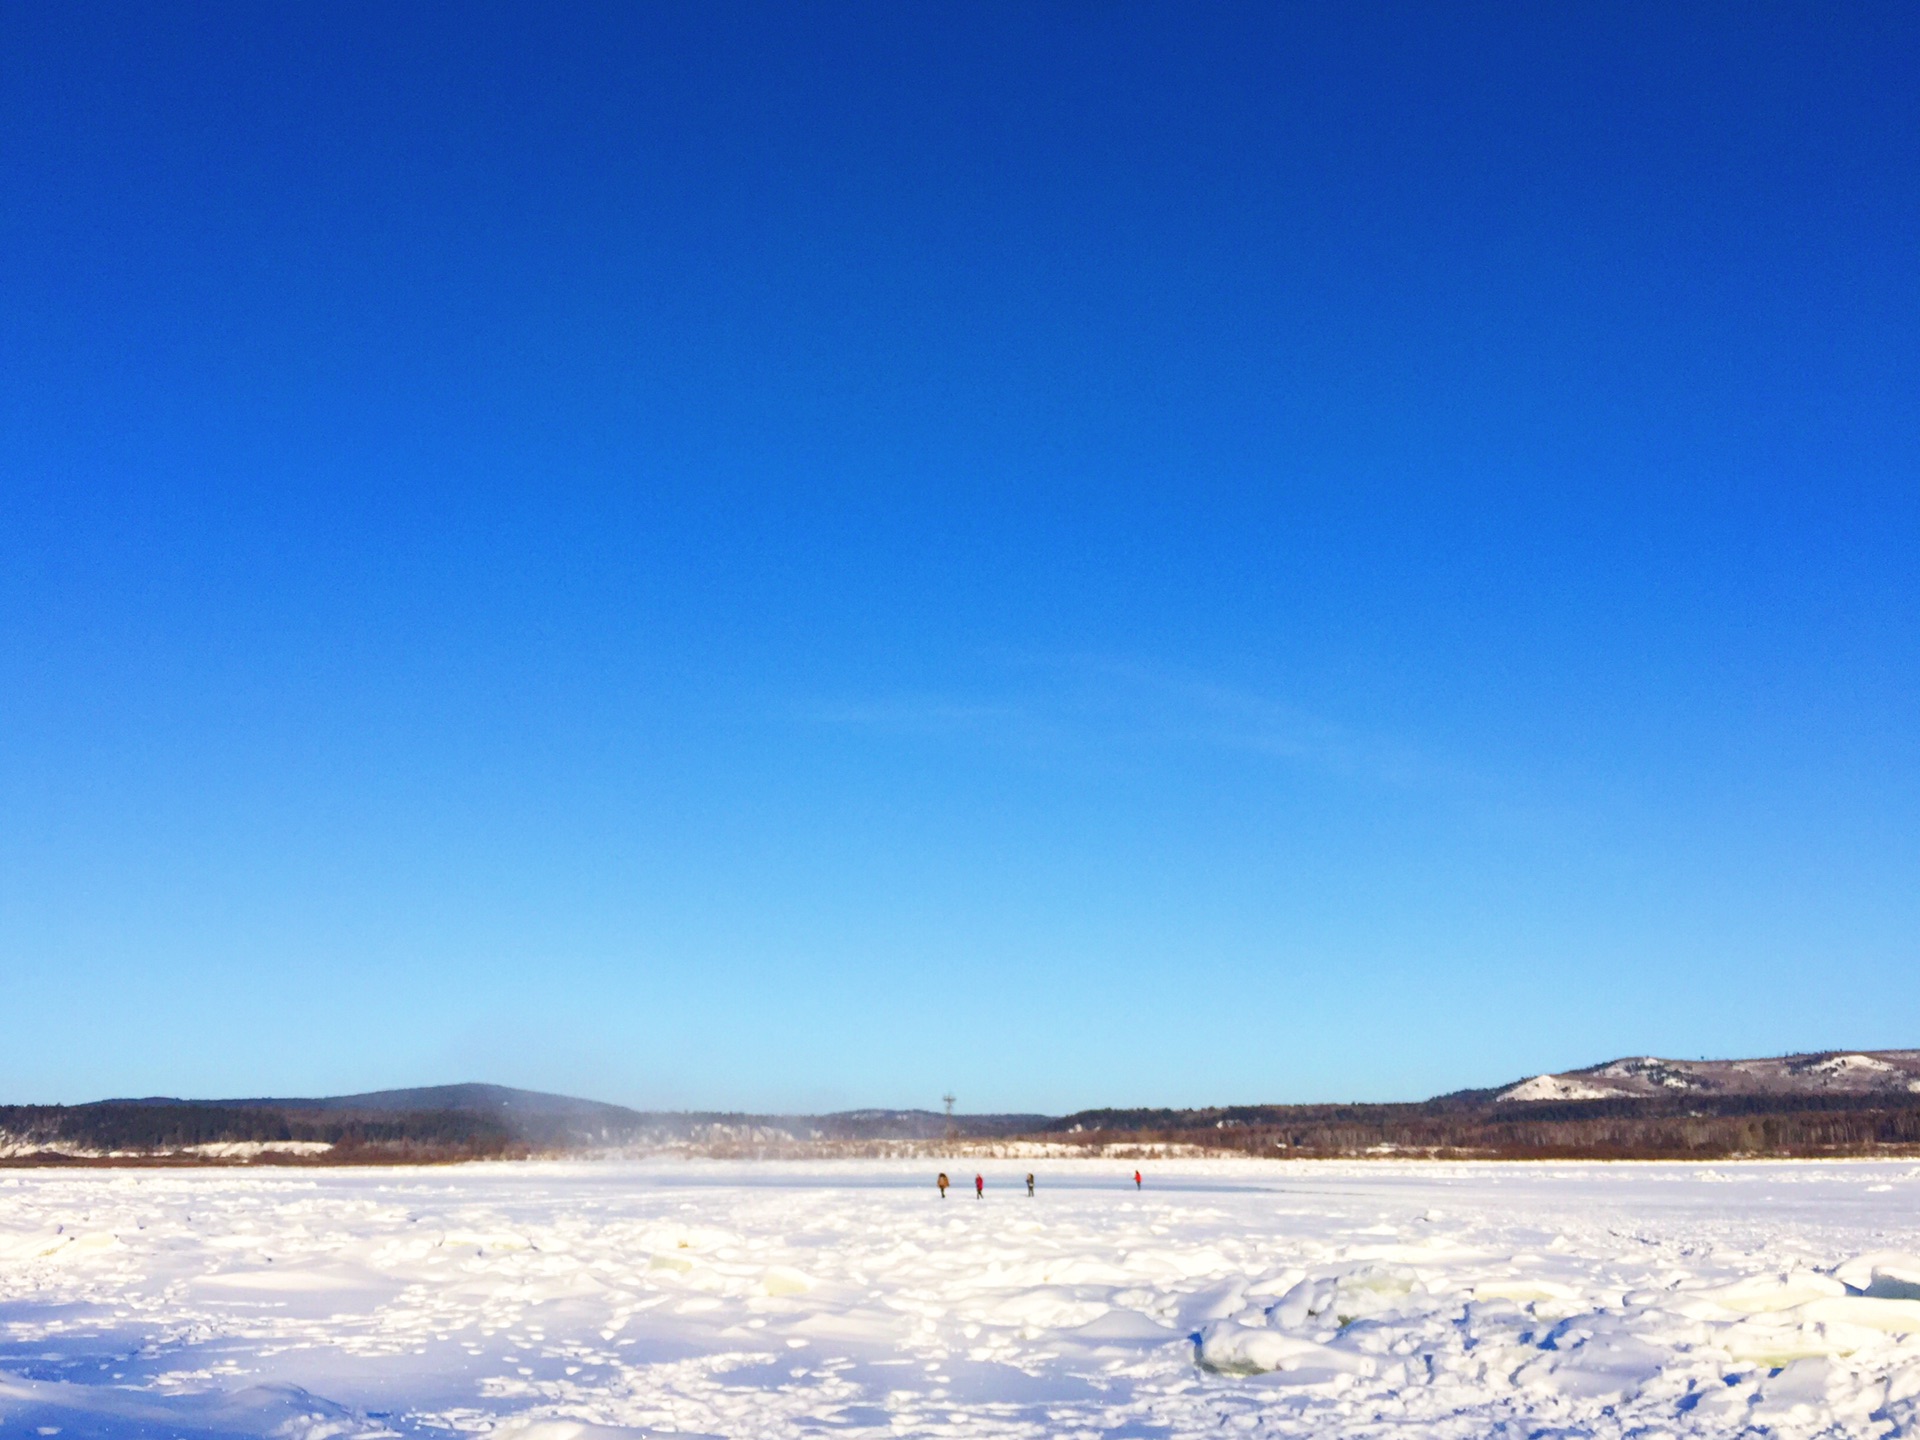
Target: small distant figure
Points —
{"points": [[942, 1183], [1029, 1182], [1136, 1179], [979, 1187]]}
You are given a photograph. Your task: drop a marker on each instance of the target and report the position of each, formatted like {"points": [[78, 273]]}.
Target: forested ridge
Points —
{"points": [[1617, 1128], [136, 1128]]}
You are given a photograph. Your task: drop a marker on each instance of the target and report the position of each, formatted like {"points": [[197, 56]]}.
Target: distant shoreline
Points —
{"points": [[980, 1154], [1834, 1104]]}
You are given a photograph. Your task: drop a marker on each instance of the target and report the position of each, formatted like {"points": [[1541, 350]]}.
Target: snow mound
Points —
{"points": [[1555, 1087], [1231, 1348], [1886, 1275]]}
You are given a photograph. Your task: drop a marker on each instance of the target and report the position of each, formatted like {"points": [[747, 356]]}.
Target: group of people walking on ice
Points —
{"points": [[980, 1184]]}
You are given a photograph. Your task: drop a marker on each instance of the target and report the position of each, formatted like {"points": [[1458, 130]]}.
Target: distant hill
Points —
{"points": [[1828, 1102], [1843, 1072], [531, 1116], [525, 1116], [185, 1131]]}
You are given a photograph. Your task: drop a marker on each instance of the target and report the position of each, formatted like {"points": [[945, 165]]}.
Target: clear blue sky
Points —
{"points": [[804, 557]]}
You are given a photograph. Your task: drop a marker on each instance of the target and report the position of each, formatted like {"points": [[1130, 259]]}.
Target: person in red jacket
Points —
{"points": [[1136, 1179], [979, 1187]]}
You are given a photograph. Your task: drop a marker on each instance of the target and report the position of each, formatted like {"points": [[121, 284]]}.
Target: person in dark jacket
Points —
{"points": [[1029, 1182]]}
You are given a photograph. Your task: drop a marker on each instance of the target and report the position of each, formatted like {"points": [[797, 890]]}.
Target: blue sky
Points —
{"points": [[782, 558]]}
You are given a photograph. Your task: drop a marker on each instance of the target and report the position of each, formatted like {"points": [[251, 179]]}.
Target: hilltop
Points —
{"points": [[1890, 1072]]}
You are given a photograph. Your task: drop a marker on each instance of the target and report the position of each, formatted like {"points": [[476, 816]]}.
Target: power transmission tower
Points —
{"points": [[952, 1133]]}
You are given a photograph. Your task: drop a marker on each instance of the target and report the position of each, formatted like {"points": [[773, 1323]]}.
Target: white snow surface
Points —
{"points": [[585, 1301]]}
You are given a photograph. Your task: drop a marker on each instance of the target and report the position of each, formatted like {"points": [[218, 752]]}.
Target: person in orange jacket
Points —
{"points": [[942, 1183]]}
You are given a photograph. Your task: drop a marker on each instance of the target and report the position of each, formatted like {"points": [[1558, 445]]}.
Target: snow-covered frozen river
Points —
{"points": [[547, 1301]]}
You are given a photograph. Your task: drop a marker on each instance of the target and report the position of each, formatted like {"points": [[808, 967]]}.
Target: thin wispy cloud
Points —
{"points": [[1176, 707], [1107, 705]]}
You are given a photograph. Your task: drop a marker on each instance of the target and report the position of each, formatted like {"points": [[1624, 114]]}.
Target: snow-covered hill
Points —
{"points": [[1832, 1072]]}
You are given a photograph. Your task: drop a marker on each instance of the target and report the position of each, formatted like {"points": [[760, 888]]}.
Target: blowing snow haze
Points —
{"points": [[752, 559]]}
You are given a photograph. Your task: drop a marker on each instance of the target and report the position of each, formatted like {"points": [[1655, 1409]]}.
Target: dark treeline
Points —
{"points": [[1696, 1127], [148, 1128], [1468, 1124]]}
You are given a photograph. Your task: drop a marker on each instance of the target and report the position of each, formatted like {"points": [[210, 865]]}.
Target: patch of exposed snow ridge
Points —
{"points": [[1555, 1087], [1655, 1070], [1838, 1065], [12, 1148]]}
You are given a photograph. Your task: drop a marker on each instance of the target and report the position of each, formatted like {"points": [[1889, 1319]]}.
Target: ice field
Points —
{"points": [[548, 1301]]}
